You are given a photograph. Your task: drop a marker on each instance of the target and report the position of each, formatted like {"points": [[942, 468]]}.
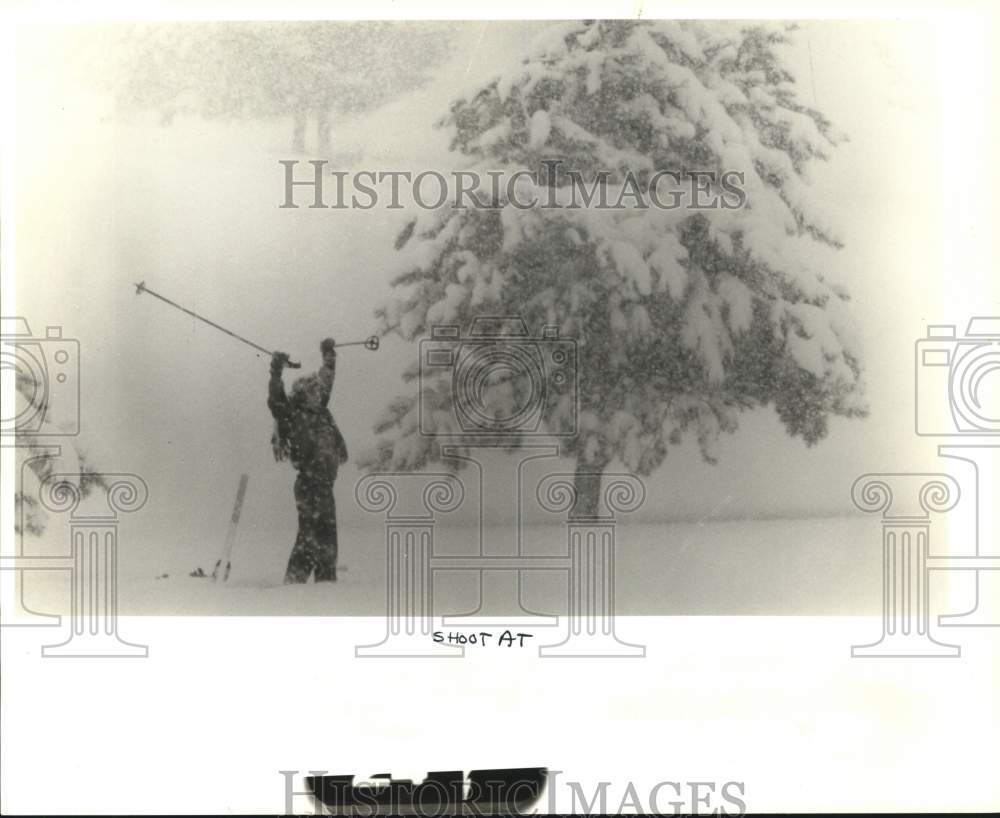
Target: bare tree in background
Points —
{"points": [[308, 71]]}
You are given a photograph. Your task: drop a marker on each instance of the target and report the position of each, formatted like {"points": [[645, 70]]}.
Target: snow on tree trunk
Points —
{"points": [[684, 317]]}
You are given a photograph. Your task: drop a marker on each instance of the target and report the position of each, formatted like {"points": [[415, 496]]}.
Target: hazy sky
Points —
{"points": [[192, 210]]}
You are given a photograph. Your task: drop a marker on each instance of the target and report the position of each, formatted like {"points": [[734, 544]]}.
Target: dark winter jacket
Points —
{"points": [[315, 445]]}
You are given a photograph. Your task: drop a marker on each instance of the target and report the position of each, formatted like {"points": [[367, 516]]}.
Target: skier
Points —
{"points": [[305, 432]]}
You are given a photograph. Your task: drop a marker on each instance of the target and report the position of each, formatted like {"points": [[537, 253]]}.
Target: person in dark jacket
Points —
{"points": [[306, 434]]}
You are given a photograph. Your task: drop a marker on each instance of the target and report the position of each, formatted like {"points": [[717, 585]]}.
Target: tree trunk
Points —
{"points": [[323, 133], [587, 482], [299, 132]]}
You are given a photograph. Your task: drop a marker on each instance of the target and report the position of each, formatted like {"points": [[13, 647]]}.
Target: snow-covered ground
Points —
{"points": [[822, 566]]}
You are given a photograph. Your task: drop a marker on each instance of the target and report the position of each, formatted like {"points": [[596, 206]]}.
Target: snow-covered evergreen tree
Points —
{"points": [[684, 317]]}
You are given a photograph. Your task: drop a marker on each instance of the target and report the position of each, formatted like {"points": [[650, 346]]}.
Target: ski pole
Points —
{"points": [[371, 343], [142, 288]]}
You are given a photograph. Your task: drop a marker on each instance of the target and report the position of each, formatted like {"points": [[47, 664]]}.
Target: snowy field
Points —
{"points": [[825, 566]]}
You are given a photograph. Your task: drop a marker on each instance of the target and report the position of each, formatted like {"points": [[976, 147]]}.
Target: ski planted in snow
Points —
{"points": [[227, 551]]}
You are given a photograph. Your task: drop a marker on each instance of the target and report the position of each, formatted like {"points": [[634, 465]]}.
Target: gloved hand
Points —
{"points": [[279, 360], [327, 348]]}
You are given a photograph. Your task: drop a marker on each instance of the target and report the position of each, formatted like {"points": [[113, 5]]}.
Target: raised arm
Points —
{"points": [[277, 400], [328, 371]]}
